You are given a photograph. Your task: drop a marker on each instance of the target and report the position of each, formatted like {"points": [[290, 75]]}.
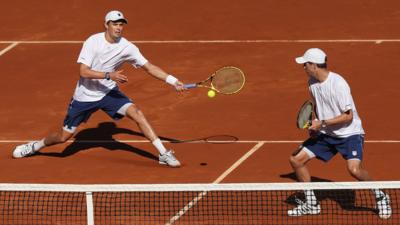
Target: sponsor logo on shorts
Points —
{"points": [[354, 153]]}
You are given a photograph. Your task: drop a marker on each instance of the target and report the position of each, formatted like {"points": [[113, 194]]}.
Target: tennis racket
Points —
{"points": [[304, 116], [227, 80]]}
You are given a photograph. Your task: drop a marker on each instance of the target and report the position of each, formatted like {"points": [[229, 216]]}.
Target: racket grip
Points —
{"points": [[307, 125], [190, 86]]}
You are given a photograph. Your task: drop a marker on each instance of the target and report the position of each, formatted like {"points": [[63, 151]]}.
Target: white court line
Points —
{"points": [[376, 41], [192, 203], [240, 161], [199, 142], [12, 45]]}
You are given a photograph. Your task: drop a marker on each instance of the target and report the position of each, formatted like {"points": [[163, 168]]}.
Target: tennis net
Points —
{"points": [[266, 203]]}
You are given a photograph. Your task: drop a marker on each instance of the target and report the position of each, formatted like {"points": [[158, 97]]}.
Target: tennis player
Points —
{"points": [[100, 60], [337, 128]]}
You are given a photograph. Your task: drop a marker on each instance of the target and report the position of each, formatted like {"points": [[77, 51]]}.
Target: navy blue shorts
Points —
{"points": [[324, 147], [79, 112]]}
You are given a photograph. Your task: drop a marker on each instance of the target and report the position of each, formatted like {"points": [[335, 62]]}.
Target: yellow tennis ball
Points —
{"points": [[211, 93]]}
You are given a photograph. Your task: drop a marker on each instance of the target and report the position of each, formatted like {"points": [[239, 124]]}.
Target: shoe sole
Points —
{"points": [[164, 163], [385, 216], [305, 214], [295, 215]]}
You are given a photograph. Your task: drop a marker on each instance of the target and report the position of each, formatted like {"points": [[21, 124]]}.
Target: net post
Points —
{"points": [[89, 208]]}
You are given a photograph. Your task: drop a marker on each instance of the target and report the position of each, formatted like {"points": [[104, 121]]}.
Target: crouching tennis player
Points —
{"points": [[337, 129], [100, 60]]}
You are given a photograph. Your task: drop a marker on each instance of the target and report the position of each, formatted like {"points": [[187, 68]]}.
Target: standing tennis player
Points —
{"points": [[100, 60], [337, 128]]}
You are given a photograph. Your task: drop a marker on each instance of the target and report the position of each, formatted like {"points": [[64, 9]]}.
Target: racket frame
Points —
{"points": [[210, 78], [308, 124]]}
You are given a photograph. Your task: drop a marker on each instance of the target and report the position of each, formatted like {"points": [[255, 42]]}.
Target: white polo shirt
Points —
{"points": [[100, 55], [332, 98]]}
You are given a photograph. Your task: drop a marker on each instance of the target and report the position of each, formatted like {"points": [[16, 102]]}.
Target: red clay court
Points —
{"points": [[40, 42]]}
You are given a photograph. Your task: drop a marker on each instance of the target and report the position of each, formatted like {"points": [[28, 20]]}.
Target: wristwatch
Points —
{"points": [[107, 76], [323, 123]]}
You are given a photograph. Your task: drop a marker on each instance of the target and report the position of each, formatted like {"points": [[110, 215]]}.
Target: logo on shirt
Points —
{"points": [[354, 153]]}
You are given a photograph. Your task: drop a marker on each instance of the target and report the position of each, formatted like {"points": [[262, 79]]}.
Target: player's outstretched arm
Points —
{"points": [[160, 74]]}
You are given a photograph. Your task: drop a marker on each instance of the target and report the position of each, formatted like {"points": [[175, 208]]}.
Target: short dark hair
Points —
{"points": [[117, 21], [323, 65]]}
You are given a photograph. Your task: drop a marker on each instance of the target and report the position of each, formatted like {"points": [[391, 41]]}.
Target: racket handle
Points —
{"points": [[307, 125], [190, 86]]}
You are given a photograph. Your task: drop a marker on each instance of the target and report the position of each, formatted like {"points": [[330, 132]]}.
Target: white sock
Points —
{"points": [[39, 145], [378, 193], [310, 197], [159, 146]]}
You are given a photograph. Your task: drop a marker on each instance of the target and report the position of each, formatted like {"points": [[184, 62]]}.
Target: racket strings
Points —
{"points": [[228, 80], [305, 115]]}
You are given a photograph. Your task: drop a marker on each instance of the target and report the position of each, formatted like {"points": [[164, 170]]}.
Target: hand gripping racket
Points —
{"points": [[227, 80], [304, 116]]}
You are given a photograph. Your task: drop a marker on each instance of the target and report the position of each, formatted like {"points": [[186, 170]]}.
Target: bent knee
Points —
{"points": [[134, 111], [354, 167], [299, 158], [354, 170], [295, 162]]}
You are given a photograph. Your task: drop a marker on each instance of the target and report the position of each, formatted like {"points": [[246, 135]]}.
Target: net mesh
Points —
{"points": [[340, 203], [31, 207], [228, 80]]}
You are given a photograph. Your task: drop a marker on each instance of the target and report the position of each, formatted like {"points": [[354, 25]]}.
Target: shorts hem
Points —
{"points": [[69, 130], [122, 111], [308, 152]]}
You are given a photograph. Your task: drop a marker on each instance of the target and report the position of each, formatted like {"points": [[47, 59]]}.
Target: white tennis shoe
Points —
{"points": [[383, 206], [304, 208], [24, 150], [169, 159]]}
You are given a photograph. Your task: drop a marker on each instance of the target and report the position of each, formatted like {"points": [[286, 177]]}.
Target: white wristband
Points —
{"points": [[171, 80]]}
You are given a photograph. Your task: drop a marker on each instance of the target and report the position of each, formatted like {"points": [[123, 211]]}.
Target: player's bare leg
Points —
{"points": [[382, 199], [165, 157], [135, 114], [298, 162], [57, 137], [35, 146], [355, 169]]}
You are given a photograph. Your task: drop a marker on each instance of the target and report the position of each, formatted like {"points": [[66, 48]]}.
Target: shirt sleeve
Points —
{"points": [[136, 58], [344, 98], [87, 53]]}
